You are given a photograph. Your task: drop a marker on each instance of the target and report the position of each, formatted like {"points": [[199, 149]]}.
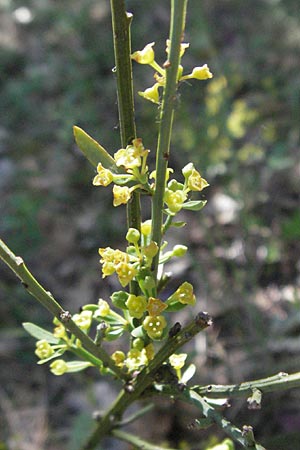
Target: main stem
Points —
{"points": [[121, 21], [178, 15]]}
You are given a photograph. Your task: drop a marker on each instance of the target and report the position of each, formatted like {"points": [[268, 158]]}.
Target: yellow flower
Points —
{"points": [[126, 272], [58, 367], [127, 157], [121, 195], [174, 200], [43, 349], [104, 176], [155, 306], [103, 309], [136, 359], [177, 361], [118, 357], [110, 260], [196, 182], [199, 73], [60, 331], [83, 320], [146, 227], [145, 56], [154, 326], [136, 305], [184, 294], [151, 93]]}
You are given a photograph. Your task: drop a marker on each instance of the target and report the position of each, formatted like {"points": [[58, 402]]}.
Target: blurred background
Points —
{"points": [[241, 130]]}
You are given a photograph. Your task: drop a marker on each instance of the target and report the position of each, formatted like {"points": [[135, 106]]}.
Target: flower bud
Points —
{"points": [[133, 235], [58, 367], [179, 250], [43, 349]]}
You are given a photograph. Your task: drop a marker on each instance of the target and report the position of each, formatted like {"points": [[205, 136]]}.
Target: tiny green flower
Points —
{"points": [[58, 367], [126, 272], [136, 359], [136, 305], [146, 227], [60, 332], [118, 357], [145, 56], [174, 200], [103, 310], [43, 349], [121, 195], [184, 294], [199, 73], [83, 320], [154, 326], [128, 158], [178, 361], [151, 93], [104, 176]]}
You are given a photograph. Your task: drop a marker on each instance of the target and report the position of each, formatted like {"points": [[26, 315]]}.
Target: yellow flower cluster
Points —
{"points": [[133, 160], [117, 261], [147, 56]]}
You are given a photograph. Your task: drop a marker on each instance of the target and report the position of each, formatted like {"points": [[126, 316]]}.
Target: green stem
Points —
{"points": [[280, 382], [86, 356], [18, 266], [136, 441], [121, 21], [178, 14]]}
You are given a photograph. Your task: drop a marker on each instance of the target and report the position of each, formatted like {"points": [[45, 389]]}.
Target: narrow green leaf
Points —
{"points": [[188, 373], [178, 224], [194, 205], [39, 333], [77, 366], [114, 333], [93, 151], [59, 352]]}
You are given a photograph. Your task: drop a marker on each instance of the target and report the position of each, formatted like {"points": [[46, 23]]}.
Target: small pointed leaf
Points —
{"points": [[194, 205], [93, 151], [77, 366], [39, 333], [59, 352], [188, 373]]}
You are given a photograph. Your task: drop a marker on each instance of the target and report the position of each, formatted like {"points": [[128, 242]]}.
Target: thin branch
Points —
{"points": [[245, 437], [280, 382], [44, 297]]}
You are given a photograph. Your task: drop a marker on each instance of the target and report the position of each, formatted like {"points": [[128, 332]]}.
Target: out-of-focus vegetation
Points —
{"points": [[241, 130]]}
